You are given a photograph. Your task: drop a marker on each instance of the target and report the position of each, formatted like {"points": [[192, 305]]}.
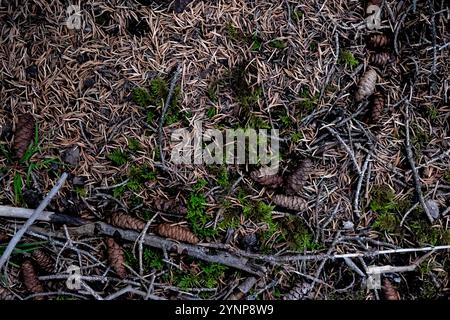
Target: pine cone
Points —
{"points": [[390, 293], [31, 280], [297, 179], [116, 257], [266, 177], [381, 58], [366, 85], [377, 107], [298, 292], [170, 206], [24, 134], [43, 260], [3, 237], [123, 220], [289, 202], [177, 232], [377, 41], [5, 294]]}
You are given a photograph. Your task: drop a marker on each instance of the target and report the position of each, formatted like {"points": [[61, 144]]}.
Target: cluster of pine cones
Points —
{"points": [[379, 44], [293, 185]]}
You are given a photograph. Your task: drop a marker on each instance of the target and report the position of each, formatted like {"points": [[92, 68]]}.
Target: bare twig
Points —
{"points": [[412, 163], [19, 234], [164, 110]]}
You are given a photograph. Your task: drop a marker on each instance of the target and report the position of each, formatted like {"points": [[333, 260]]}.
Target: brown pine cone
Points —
{"points": [[377, 107], [366, 85], [298, 292], [297, 179], [390, 293], [177, 233], [377, 41], [30, 279], [381, 58], [123, 220], [170, 206], [5, 294], [289, 202], [3, 237], [24, 134], [43, 260], [266, 177], [116, 257]]}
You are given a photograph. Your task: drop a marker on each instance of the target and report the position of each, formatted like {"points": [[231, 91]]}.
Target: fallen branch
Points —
{"points": [[409, 155], [19, 234]]}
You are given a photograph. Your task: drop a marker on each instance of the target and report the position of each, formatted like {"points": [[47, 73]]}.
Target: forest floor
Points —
{"points": [[364, 173]]}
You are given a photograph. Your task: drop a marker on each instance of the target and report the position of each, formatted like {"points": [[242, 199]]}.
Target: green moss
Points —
{"points": [[118, 157], [307, 100], [222, 178], [387, 222], [80, 191], [137, 177], [197, 215], [278, 44], [158, 91], [285, 120], [432, 112], [141, 96], [208, 276], [296, 136], [151, 260], [212, 92], [256, 122], [347, 58], [246, 93], [200, 184], [134, 145], [429, 235], [297, 234], [446, 176]]}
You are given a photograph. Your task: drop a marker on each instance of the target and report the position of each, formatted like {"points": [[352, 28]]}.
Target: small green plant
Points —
{"points": [[429, 235], [137, 177], [23, 248], [257, 122], [285, 119], [432, 112], [347, 58], [296, 136], [277, 44], [307, 100], [382, 199], [208, 277], [200, 184], [296, 15], [255, 42], [141, 96], [446, 176], [152, 259], [118, 157], [150, 117], [212, 92], [222, 178], [134, 145], [211, 112]]}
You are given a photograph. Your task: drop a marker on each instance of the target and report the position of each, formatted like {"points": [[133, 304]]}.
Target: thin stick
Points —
{"points": [[141, 242], [163, 113], [15, 240], [412, 164], [359, 186]]}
